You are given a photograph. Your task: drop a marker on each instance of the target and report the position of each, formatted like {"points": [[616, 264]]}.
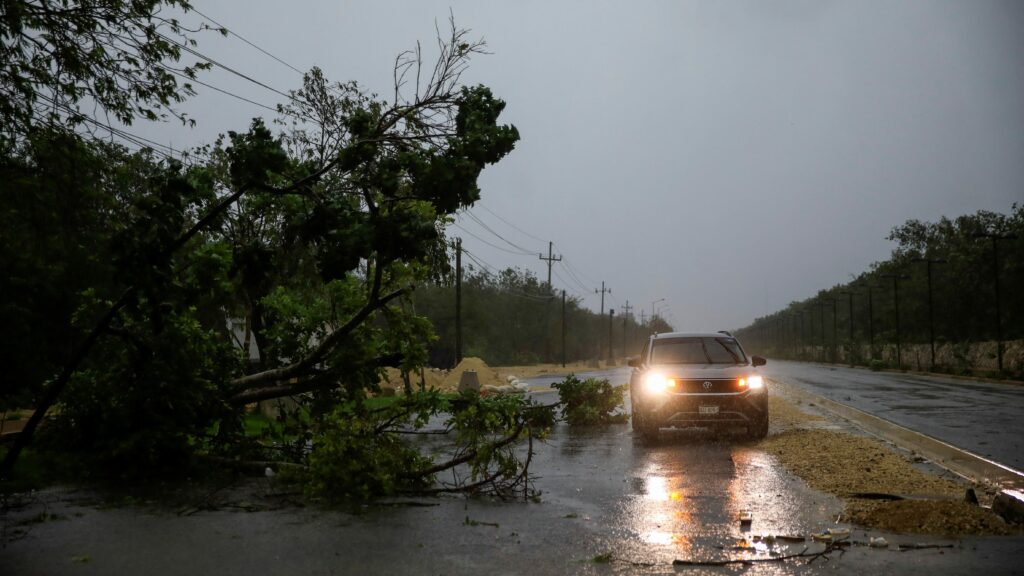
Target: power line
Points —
{"points": [[503, 239], [488, 271], [510, 224], [227, 68], [575, 278], [568, 288], [244, 39], [495, 246], [579, 272], [140, 141], [221, 90]]}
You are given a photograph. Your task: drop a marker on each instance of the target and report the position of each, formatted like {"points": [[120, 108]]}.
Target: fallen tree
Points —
{"points": [[313, 239]]}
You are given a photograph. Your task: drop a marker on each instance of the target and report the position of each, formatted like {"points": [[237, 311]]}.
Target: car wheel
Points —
{"points": [[758, 429], [642, 426]]}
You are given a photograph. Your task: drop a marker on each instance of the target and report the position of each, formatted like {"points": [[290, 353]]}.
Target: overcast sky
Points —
{"points": [[729, 157]]}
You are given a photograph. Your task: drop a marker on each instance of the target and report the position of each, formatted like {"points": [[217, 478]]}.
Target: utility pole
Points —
{"points": [[611, 314], [602, 291], [931, 317], [625, 316], [550, 259], [563, 328], [458, 301], [995, 269], [601, 314]]}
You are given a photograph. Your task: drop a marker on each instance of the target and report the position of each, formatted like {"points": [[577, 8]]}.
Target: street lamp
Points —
{"points": [[896, 304], [995, 268], [653, 312], [931, 317]]}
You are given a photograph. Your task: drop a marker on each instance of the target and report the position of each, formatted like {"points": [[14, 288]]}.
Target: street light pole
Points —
{"points": [[931, 316], [995, 268], [652, 309]]}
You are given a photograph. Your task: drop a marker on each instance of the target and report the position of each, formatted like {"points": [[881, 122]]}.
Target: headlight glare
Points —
{"points": [[755, 382], [656, 383]]}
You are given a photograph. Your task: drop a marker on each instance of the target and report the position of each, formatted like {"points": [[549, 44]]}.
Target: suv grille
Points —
{"points": [[717, 386]]}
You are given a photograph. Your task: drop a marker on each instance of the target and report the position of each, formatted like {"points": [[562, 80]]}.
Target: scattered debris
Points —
{"points": [[1009, 504], [971, 497], [831, 547], [878, 542], [907, 547], [471, 522], [746, 518]]}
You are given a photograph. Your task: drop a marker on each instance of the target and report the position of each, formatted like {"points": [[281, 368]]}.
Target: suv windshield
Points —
{"points": [[697, 351]]}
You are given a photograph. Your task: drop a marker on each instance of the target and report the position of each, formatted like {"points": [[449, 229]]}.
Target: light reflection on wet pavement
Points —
{"points": [[685, 493], [604, 492]]}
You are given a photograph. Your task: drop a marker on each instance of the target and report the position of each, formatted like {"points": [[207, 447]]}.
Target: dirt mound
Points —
{"points": [[432, 377], [485, 373], [946, 517], [844, 464], [848, 466]]}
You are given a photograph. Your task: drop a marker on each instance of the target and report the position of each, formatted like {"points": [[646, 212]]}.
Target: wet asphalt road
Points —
{"points": [[603, 492], [981, 417]]}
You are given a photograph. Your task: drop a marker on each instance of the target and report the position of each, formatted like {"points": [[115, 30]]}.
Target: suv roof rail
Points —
{"points": [[726, 332]]}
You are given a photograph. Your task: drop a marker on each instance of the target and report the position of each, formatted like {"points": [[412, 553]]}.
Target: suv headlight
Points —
{"points": [[754, 382], [656, 383]]}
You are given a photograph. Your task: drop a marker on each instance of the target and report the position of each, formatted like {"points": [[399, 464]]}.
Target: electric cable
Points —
{"points": [[244, 39]]}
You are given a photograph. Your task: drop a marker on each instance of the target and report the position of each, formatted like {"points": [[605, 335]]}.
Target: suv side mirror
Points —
{"points": [[758, 361], [633, 362]]}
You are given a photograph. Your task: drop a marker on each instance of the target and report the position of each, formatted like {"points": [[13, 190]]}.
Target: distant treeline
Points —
{"points": [[965, 257], [513, 318]]}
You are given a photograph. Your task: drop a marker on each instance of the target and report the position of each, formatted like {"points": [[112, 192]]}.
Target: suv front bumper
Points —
{"points": [[684, 410]]}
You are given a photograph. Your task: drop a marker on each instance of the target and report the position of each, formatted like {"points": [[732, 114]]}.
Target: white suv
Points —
{"points": [[697, 379]]}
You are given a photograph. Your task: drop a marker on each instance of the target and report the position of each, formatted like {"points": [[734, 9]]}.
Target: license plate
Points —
{"points": [[709, 409]]}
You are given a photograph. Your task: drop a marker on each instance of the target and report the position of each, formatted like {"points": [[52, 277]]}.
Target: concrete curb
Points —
{"points": [[910, 372], [1009, 503]]}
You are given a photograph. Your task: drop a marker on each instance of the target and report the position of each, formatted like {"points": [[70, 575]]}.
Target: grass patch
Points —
{"points": [[35, 470]]}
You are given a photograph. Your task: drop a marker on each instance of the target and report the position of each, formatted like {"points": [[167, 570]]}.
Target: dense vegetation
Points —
{"points": [[965, 260], [513, 318], [147, 301]]}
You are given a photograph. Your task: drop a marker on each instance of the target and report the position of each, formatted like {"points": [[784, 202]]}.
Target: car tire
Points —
{"points": [[758, 429], [642, 427]]}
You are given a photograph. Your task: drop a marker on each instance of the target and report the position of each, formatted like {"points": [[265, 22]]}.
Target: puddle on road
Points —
{"points": [[689, 493]]}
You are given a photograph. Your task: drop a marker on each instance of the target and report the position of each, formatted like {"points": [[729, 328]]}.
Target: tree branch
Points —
{"points": [[301, 367]]}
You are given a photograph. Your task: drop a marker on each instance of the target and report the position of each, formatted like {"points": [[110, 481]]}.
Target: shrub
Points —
{"points": [[590, 401]]}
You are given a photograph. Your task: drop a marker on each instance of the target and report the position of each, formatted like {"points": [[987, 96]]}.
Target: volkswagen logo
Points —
{"points": [[707, 385]]}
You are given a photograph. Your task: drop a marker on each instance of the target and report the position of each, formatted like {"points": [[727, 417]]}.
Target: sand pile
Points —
{"points": [[486, 375], [945, 517], [848, 465], [392, 379]]}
